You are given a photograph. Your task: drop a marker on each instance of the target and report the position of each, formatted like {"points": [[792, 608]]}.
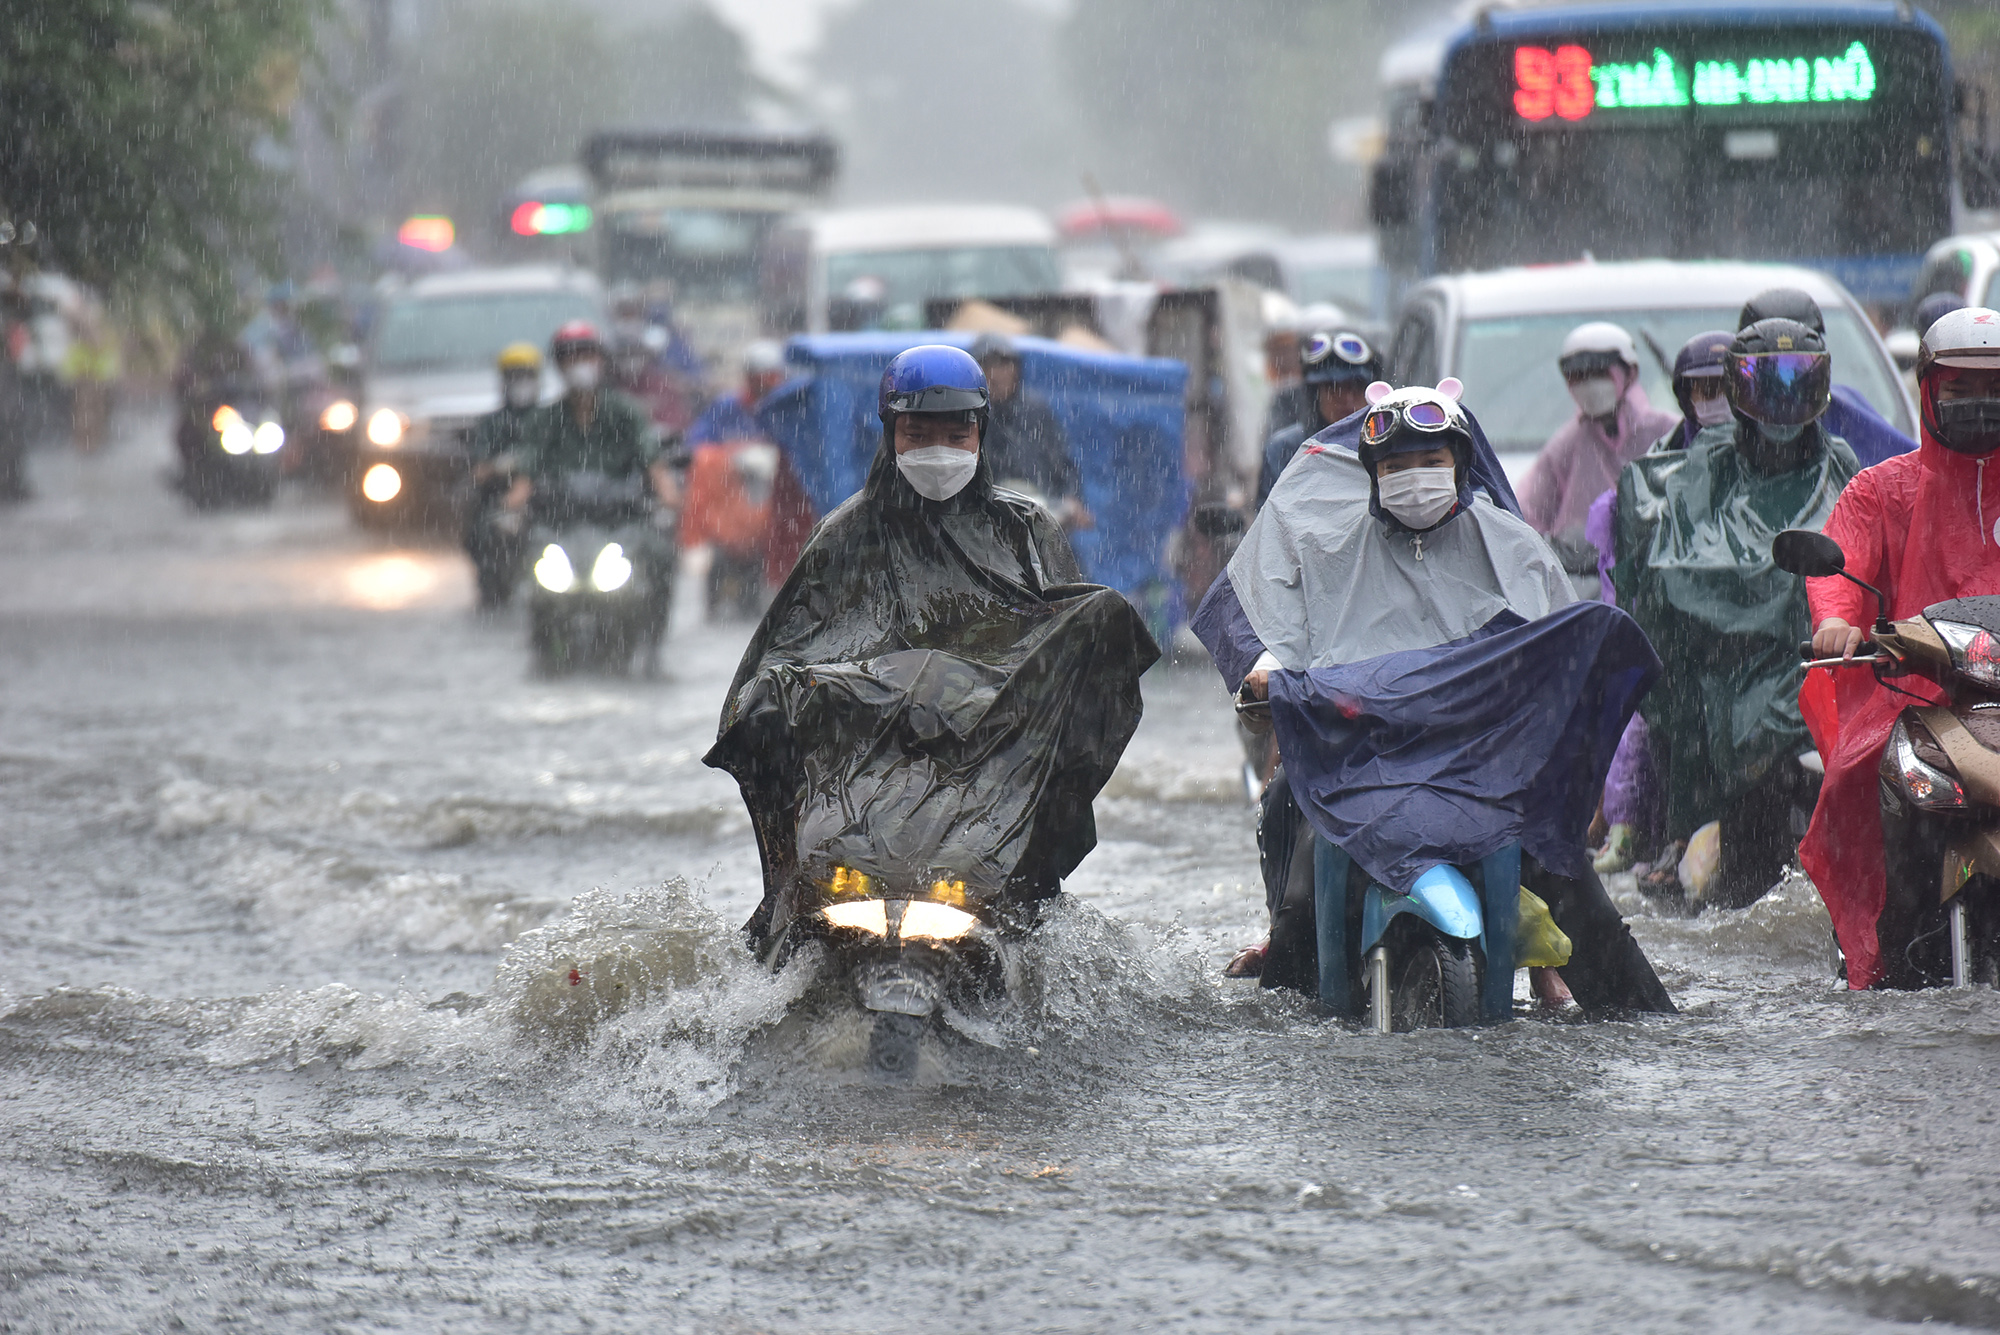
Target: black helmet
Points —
{"points": [[1783, 303], [1339, 356], [1961, 341], [1777, 372]]}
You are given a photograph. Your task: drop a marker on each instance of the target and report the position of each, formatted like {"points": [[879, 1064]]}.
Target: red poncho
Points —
{"points": [[1921, 528]]}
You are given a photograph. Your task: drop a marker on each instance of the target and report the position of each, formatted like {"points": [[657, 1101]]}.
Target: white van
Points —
{"points": [[1500, 331], [876, 268]]}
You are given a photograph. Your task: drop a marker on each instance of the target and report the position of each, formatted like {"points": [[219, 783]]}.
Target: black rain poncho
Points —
{"points": [[933, 694]]}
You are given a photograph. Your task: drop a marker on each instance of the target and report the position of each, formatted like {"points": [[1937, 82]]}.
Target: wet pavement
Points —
{"points": [[295, 853]]}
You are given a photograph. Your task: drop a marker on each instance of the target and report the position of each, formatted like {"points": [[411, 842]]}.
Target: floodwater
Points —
{"points": [[294, 855]]}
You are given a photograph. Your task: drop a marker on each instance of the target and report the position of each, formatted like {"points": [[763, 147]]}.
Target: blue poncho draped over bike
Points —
{"points": [[1451, 753], [1123, 418], [1427, 711]]}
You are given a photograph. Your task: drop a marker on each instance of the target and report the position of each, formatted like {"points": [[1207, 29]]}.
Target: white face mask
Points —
{"points": [[938, 472], [1419, 497], [522, 392], [1596, 397], [1713, 412], [582, 376]]}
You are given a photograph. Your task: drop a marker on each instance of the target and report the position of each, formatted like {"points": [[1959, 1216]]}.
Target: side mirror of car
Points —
{"points": [[1804, 552]]}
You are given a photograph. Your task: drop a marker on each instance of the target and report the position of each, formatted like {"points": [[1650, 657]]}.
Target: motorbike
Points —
{"points": [[603, 557], [229, 443], [906, 945], [1940, 771], [1419, 960]]}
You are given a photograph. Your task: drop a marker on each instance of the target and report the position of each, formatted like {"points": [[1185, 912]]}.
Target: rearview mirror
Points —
{"points": [[1804, 552]]}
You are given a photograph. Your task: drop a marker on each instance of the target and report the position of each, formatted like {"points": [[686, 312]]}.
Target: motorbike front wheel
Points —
{"points": [[1433, 983]]}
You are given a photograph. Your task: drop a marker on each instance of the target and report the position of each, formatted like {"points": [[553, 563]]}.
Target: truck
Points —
{"points": [[688, 214]]}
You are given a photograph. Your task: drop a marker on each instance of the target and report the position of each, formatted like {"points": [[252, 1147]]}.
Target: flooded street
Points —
{"points": [[277, 806]]}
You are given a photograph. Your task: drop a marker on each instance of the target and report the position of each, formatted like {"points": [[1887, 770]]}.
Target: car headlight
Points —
{"points": [[381, 483], [338, 416], [924, 920], [386, 427], [553, 570], [268, 438], [1974, 651], [612, 569]]}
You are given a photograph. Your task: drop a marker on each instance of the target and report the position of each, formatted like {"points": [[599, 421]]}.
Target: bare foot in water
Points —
{"points": [[1549, 989], [1248, 963]]}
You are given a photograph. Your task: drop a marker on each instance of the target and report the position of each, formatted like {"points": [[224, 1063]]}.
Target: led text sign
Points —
{"points": [[1569, 84]]}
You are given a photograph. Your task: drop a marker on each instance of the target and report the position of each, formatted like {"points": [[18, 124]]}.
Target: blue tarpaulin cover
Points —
{"points": [[1445, 755], [1123, 417]]}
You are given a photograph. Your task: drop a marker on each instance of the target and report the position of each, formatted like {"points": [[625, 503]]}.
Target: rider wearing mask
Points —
{"points": [[592, 428], [1395, 530], [1694, 531], [1848, 415], [1614, 424], [1921, 528], [944, 622], [1338, 366], [496, 442], [1023, 441], [1631, 791]]}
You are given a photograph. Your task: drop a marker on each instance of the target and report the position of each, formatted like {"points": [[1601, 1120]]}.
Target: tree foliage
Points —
{"points": [[138, 136]]}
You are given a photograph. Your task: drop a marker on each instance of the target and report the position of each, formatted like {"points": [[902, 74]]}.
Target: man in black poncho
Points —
{"points": [[933, 693]]}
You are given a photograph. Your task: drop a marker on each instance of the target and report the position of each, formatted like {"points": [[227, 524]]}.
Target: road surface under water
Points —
{"points": [[293, 848]]}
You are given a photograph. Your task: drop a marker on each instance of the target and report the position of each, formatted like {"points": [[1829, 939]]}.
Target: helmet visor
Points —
{"points": [[935, 399], [1584, 365], [1781, 388]]}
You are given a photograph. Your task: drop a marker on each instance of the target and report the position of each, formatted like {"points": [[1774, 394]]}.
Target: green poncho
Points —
{"points": [[1694, 530]]}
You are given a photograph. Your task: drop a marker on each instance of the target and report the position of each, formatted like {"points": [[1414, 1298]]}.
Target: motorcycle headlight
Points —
{"points": [[237, 437], [924, 920], [268, 438], [381, 483], [339, 415], [863, 915], [386, 427], [1922, 782], [611, 569], [553, 570], [1974, 651]]}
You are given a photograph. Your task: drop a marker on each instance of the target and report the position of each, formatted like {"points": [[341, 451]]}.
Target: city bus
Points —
{"points": [[1819, 133]]}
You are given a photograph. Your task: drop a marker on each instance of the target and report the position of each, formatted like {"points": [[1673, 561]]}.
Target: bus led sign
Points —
{"points": [[1569, 84]]}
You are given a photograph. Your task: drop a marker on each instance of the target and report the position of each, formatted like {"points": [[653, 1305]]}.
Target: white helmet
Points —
{"points": [[1596, 342], [764, 356]]}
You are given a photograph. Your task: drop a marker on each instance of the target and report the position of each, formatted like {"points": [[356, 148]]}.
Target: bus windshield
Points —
{"points": [[709, 255], [1512, 385]]}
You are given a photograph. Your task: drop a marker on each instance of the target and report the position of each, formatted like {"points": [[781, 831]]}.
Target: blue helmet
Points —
{"points": [[931, 379]]}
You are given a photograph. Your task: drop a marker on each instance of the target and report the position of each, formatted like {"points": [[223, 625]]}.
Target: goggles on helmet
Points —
{"points": [[1431, 416], [1779, 388]]}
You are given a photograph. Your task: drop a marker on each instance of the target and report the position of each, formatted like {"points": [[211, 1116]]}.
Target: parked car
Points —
{"points": [[1967, 266], [431, 375], [876, 268], [1499, 333]]}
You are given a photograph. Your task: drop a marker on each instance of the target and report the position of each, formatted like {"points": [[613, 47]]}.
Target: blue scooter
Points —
{"points": [[1420, 960]]}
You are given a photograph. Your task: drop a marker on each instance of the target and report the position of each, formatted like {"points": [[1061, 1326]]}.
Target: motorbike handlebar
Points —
{"points": [[1865, 647]]}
